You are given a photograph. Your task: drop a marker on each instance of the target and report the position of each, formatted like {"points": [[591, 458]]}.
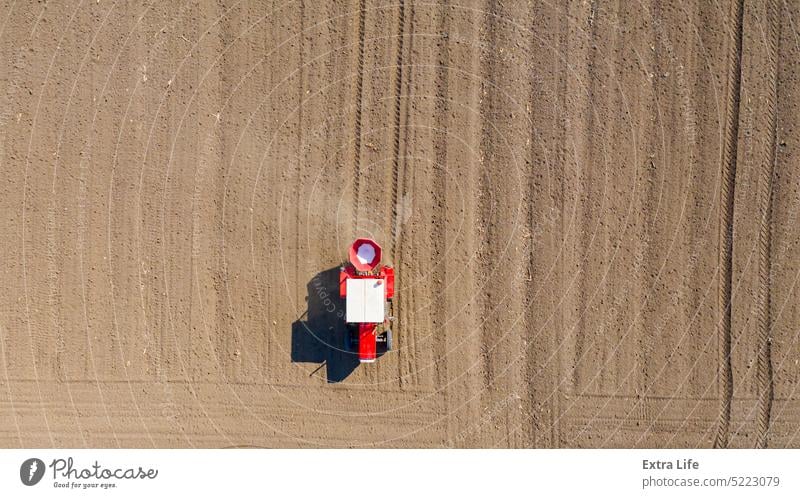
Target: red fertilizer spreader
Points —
{"points": [[367, 288]]}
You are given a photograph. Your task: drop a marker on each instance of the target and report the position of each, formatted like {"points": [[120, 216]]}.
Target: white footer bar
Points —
{"points": [[401, 473]]}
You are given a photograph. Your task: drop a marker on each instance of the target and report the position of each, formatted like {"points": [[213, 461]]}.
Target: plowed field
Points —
{"points": [[593, 210]]}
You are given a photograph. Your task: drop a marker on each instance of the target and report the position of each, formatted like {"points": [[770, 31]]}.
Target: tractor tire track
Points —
{"points": [[440, 212], [362, 19], [399, 208], [764, 374], [544, 203], [398, 163], [488, 107], [727, 194], [585, 238]]}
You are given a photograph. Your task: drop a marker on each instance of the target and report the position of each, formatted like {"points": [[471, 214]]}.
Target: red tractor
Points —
{"points": [[368, 289]]}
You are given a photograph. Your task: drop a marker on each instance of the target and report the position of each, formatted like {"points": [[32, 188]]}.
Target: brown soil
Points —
{"points": [[593, 211]]}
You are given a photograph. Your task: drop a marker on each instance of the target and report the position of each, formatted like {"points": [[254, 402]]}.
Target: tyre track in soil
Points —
{"points": [[285, 175], [407, 370], [544, 207], [460, 134], [585, 176], [299, 136], [578, 141], [784, 285], [727, 195], [377, 129], [761, 267], [650, 213], [502, 259], [359, 99], [330, 80], [439, 218], [677, 218], [612, 305], [486, 246], [666, 266], [600, 202], [398, 162], [764, 373]]}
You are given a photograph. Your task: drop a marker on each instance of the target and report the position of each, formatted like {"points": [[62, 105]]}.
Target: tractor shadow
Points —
{"points": [[319, 335]]}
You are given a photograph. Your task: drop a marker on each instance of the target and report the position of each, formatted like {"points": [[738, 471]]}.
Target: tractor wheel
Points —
{"points": [[388, 339]]}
